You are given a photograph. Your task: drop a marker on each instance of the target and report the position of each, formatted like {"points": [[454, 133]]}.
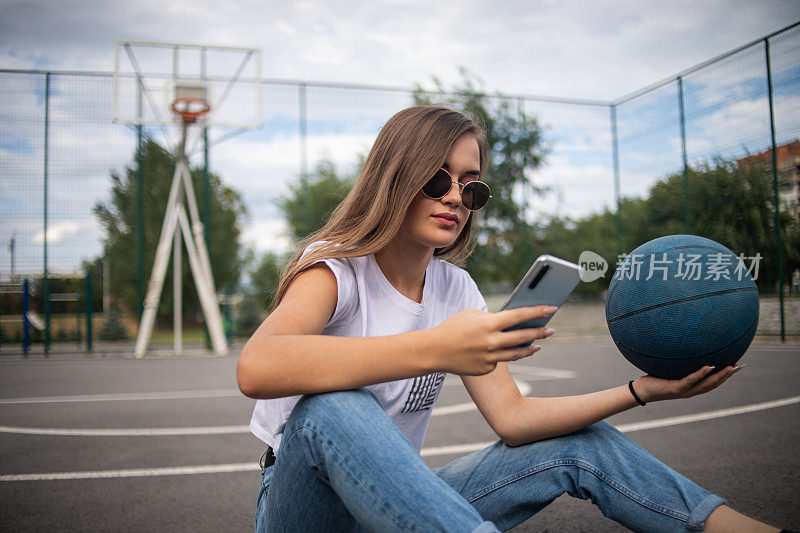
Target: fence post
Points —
{"points": [[139, 210], [304, 154], [206, 214], [617, 191], [88, 299], [776, 200], [46, 157], [686, 214], [26, 325]]}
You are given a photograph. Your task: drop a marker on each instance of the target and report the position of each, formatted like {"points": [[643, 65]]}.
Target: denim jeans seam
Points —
{"points": [[589, 468], [398, 521]]}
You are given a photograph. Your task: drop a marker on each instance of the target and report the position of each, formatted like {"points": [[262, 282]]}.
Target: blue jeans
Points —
{"points": [[343, 465]]}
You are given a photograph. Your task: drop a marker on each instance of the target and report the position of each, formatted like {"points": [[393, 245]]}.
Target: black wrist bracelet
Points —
{"points": [[636, 396]]}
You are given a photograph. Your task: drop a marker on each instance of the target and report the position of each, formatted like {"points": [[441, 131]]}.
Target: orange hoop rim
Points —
{"points": [[190, 108]]}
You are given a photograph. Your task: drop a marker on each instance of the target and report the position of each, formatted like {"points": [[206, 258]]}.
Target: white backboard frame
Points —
{"points": [[146, 75]]}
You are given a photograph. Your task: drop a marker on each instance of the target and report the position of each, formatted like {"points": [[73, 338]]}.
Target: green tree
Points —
{"points": [[266, 276], [728, 204], [113, 329], [507, 240], [306, 209], [310, 203], [117, 215]]}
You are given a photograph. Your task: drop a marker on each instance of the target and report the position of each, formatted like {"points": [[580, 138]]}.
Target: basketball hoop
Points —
{"points": [[190, 108]]}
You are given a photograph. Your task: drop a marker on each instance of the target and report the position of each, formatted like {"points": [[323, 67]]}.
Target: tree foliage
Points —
{"points": [[266, 276], [517, 149], [117, 216], [310, 203], [728, 204], [504, 234], [113, 329], [306, 209]]}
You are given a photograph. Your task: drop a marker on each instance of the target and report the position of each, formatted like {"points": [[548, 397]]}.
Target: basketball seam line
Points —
{"points": [[746, 332], [681, 300]]}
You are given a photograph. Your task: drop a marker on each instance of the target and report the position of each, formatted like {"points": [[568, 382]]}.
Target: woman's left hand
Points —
{"points": [[652, 389]]}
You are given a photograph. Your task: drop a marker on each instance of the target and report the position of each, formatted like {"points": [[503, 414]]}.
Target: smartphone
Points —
{"points": [[548, 282]]}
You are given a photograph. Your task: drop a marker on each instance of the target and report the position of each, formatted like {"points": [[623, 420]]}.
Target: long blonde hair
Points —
{"points": [[409, 149]]}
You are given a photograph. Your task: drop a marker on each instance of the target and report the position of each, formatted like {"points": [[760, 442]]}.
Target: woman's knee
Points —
{"points": [[599, 438], [333, 410]]}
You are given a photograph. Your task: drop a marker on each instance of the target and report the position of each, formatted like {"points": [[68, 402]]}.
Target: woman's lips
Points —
{"points": [[448, 220]]}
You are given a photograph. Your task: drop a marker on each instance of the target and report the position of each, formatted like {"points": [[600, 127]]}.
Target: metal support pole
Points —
{"points": [[206, 212], [617, 190], [206, 192], [776, 200], [175, 220], [46, 161], [139, 211], [304, 154], [78, 314], [686, 215], [527, 246], [106, 284], [88, 310], [12, 245], [177, 294], [26, 324]]}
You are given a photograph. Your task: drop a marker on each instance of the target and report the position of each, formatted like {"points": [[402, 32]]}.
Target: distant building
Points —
{"points": [[788, 159]]}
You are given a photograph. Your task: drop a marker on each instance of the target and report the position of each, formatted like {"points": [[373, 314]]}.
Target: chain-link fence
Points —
{"points": [[663, 146]]}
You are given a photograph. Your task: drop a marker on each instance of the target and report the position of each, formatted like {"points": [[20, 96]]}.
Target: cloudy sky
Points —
{"points": [[599, 49], [586, 49]]}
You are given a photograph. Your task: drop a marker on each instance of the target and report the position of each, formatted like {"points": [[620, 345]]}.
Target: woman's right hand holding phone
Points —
{"points": [[473, 342]]}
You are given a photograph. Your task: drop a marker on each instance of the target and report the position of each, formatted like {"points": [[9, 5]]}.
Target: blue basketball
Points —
{"points": [[699, 306]]}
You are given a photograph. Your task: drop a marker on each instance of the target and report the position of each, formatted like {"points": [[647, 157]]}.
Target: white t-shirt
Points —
{"points": [[369, 306]]}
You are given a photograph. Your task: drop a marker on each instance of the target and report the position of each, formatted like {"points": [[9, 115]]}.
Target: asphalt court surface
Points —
{"points": [[161, 444]]}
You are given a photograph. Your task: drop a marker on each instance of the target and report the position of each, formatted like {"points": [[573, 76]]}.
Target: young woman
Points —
{"points": [[368, 320]]}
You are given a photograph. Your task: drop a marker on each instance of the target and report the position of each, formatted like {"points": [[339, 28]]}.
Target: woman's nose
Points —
{"points": [[453, 196]]}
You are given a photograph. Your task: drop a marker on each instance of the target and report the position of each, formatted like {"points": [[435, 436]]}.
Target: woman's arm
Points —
{"points": [[519, 420], [287, 355]]}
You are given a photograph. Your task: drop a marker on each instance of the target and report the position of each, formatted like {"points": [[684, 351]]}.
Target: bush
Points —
{"points": [[248, 316], [113, 329]]}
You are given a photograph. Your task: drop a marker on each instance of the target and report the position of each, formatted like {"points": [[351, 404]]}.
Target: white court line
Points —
{"points": [[635, 426], [531, 373], [708, 415], [126, 432], [135, 472], [524, 389], [206, 430], [166, 395], [426, 452], [541, 373]]}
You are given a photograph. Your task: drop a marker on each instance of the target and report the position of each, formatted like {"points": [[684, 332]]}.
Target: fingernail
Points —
{"points": [[711, 368], [549, 331], [550, 309], [739, 367], [536, 349]]}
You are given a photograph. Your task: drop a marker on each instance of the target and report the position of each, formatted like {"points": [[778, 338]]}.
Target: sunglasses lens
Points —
{"points": [[475, 196], [438, 185]]}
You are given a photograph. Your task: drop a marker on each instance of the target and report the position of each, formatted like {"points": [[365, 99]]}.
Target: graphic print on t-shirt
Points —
{"points": [[423, 392]]}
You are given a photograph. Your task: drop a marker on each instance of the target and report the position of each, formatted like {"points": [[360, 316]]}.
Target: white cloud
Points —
{"points": [[271, 235], [578, 48], [57, 232]]}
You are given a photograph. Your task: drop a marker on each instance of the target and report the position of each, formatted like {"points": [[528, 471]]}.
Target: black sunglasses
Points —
{"points": [[474, 194]]}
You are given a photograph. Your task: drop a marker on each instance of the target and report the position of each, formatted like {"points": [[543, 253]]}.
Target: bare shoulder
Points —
{"points": [[307, 305]]}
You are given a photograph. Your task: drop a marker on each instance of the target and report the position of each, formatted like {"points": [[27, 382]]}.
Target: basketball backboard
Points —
{"points": [[150, 76]]}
